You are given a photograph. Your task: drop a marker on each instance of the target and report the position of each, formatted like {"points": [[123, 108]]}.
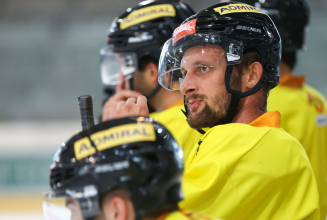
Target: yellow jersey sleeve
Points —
{"points": [[304, 116], [240, 171], [175, 121]]}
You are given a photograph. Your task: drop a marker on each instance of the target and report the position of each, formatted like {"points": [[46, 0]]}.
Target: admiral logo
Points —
{"points": [[187, 28], [112, 137], [245, 28], [140, 39], [83, 148], [237, 8], [146, 14]]}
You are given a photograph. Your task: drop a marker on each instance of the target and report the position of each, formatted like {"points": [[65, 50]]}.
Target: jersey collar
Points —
{"points": [[292, 81], [180, 102], [163, 216], [269, 119]]}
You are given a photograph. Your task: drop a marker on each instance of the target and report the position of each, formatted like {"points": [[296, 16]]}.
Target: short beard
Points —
{"points": [[210, 117]]}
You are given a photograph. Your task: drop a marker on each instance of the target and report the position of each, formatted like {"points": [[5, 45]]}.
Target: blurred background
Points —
{"points": [[49, 55]]}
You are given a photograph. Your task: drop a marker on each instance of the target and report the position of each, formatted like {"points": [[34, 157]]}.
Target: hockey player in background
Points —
{"points": [[303, 109], [130, 61]]}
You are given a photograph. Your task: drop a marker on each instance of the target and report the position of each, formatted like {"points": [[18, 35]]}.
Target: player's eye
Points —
{"points": [[204, 68], [184, 72]]}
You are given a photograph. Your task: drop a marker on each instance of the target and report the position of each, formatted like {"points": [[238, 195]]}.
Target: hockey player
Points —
{"points": [[125, 169], [303, 109], [225, 60], [130, 61]]}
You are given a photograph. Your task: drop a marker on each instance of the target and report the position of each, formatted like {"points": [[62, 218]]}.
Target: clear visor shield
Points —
{"points": [[196, 54], [57, 208], [74, 205], [113, 65]]}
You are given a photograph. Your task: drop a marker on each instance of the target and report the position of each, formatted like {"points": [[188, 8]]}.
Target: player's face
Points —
{"points": [[206, 96], [145, 81], [141, 84]]}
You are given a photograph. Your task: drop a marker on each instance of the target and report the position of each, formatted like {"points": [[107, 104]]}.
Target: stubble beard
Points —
{"points": [[208, 117]]}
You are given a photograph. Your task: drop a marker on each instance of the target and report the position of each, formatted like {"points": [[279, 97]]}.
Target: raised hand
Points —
{"points": [[123, 93], [131, 107]]}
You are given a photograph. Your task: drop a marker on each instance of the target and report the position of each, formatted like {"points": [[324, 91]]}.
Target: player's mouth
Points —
{"points": [[194, 104]]}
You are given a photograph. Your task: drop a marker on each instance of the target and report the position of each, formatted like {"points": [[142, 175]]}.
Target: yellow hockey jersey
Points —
{"points": [[184, 215], [250, 171], [175, 121], [304, 116]]}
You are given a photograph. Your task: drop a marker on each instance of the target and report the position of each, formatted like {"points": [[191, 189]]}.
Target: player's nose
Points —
{"points": [[189, 84]]}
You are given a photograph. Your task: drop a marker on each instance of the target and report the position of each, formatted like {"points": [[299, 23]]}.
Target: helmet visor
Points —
{"points": [[196, 53], [61, 208], [113, 64], [77, 204]]}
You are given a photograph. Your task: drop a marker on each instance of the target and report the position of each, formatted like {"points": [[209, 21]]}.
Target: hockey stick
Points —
{"points": [[86, 110]]}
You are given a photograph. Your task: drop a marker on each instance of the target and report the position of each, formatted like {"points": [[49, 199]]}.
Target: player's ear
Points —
{"points": [[115, 209], [251, 76], [152, 70]]}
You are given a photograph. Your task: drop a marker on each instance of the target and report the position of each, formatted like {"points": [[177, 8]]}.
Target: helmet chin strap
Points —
{"points": [[235, 99], [131, 85], [231, 112], [237, 95], [158, 87]]}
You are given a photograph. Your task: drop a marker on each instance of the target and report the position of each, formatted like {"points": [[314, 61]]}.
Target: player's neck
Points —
{"points": [[284, 69], [164, 99], [251, 109]]}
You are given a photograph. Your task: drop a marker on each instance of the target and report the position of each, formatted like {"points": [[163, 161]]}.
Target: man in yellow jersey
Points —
{"points": [[135, 175], [135, 40], [303, 109], [226, 60]]}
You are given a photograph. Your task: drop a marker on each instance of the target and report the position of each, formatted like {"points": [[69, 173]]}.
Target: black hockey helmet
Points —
{"points": [[233, 26], [140, 31], [138, 155], [291, 18]]}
